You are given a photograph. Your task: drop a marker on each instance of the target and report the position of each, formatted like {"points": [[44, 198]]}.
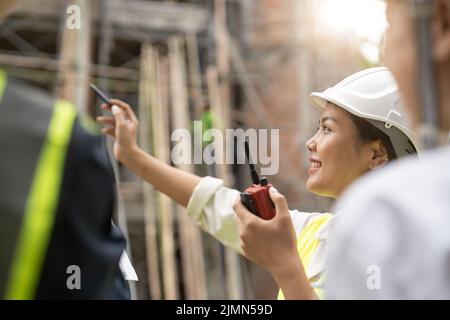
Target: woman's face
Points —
{"points": [[337, 157]]}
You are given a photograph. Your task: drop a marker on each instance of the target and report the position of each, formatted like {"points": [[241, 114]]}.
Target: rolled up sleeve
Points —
{"points": [[211, 206]]}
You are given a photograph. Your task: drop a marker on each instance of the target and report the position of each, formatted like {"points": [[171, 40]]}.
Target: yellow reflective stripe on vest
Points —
{"points": [[307, 245], [2, 83], [41, 206]]}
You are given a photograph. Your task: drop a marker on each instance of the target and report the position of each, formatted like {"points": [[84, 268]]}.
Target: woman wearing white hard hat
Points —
{"points": [[361, 128]]}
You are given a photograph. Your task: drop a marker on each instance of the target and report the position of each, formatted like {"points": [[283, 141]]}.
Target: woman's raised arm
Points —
{"points": [[123, 127]]}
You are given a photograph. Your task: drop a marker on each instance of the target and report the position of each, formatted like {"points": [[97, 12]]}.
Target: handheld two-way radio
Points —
{"points": [[256, 197]]}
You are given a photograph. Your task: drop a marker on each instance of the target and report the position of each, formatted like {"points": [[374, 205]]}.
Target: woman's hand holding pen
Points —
{"points": [[122, 126]]}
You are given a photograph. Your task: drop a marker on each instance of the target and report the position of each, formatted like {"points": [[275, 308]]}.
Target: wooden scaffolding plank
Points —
{"points": [[147, 98], [146, 15], [190, 241], [159, 15]]}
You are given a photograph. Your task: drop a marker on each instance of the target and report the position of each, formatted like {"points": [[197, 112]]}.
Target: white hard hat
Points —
{"points": [[372, 94]]}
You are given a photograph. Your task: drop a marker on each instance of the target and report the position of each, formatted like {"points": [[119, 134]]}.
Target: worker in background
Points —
{"points": [[393, 241], [56, 200], [361, 128]]}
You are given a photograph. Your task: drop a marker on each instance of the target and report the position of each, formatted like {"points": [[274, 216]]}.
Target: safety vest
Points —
{"points": [[34, 139], [307, 245]]}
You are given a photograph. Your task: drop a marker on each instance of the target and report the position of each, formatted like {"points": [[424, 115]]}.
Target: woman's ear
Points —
{"points": [[441, 30], [379, 155]]}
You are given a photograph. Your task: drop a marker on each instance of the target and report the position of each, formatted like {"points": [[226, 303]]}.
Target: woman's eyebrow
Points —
{"points": [[322, 120]]}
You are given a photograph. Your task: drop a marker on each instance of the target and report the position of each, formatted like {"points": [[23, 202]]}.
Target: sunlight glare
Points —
{"points": [[365, 19]]}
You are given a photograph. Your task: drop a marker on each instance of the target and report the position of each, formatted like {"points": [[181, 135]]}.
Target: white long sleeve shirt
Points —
{"points": [[211, 206]]}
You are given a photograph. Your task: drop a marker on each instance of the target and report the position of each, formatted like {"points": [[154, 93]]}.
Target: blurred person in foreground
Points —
{"points": [[56, 200], [393, 242]]}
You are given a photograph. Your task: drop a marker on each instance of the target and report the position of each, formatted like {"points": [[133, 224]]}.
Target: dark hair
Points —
{"points": [[367, 132]]}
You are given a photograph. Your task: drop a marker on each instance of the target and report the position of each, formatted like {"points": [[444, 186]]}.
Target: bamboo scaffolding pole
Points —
{"points": [[74, 71], [233, 271], [220, 104], [195, 77], [222, 55], [190, 241], [161, 150], [147, 99], [54, 65]]}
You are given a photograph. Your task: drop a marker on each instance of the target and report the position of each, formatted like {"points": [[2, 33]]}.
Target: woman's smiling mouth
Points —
{"points": [[315, 165]]}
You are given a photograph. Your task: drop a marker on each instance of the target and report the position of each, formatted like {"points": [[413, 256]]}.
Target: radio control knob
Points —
{"points": [[264, 181]]}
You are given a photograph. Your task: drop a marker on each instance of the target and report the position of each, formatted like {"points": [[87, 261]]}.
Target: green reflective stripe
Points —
{"points": [[41, 206], [2, 83]]}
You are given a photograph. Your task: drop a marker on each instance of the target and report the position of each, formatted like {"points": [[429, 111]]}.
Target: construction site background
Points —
{"points": [[252, 63]]}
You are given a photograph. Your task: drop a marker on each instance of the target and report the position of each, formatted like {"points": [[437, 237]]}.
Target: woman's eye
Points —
{"points": [[325, 129]]}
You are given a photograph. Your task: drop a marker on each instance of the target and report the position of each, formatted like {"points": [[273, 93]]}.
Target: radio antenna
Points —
{"points": [[253, 173]]}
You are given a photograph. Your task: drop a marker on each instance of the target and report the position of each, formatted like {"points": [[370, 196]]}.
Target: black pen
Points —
{"points": [[100, 94]]}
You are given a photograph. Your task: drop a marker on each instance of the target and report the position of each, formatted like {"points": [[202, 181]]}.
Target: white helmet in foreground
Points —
{"points": [[372, 94]]}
